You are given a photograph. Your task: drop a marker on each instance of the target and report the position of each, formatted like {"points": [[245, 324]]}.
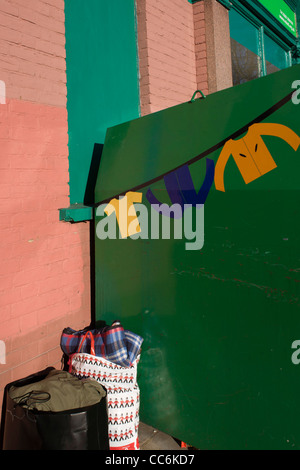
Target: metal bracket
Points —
{"points": [[76, 213], [197, 91]]}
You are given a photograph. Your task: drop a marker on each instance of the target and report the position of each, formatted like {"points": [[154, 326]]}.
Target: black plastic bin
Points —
{"points": [[76, 429]]}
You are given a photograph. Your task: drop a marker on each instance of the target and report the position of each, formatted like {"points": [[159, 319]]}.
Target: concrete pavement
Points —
{"points": [[152, 439]]}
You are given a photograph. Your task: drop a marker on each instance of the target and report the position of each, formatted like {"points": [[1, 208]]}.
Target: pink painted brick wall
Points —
{"points": [[166, 53], [200, 47], [172, 52], [44, 270]]}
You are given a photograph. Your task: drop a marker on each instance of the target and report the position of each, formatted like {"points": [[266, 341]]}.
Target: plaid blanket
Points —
{"points": [[110, 342]]}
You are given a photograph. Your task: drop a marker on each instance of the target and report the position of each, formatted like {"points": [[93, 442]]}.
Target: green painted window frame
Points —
{"points": [[254, 10], [254, 7], [225, 3], [264, 28]]}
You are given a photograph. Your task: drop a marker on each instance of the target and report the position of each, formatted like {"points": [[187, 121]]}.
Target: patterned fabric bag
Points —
{"points": [[123, 394], [113, 343]]}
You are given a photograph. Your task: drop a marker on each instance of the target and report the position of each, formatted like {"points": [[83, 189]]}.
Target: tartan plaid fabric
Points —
{"points": [[111, 342]]}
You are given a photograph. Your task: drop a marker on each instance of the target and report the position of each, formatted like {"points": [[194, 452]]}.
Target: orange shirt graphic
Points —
{"points": [[251, 153]]}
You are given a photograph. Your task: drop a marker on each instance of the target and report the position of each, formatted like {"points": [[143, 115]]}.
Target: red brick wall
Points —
{"points": [[200, 47], [172, 52], [44, 270]]}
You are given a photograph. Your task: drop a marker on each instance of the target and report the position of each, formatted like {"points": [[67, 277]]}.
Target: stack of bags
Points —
{"points": [[110, 356]]}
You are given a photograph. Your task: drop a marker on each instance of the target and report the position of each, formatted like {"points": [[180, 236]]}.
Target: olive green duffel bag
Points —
{"points": [[53, 410]]}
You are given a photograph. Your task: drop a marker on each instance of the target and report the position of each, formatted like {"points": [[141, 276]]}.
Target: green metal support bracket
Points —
{"points": [[76, 213]]}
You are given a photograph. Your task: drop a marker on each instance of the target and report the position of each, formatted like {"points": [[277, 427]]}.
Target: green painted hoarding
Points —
{"points": [[283, 13], [220, 319], [102, 84]]}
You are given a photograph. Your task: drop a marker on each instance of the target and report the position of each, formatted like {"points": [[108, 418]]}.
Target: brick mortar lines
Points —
{"points": [[143, 55], [200, 46]]}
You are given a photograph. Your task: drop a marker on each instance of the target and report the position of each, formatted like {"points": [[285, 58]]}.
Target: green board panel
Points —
{"points": [[102, 82], [218, 368]]}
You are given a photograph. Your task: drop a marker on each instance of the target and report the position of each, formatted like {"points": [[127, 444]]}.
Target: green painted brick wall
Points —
{"points": [[102, 82]]}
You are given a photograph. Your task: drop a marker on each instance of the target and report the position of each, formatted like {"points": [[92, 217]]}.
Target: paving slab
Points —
{"points": [[152, 439]]}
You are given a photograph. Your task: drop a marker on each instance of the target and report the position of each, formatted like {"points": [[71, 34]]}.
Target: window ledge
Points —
{"points": [[226, 3]]}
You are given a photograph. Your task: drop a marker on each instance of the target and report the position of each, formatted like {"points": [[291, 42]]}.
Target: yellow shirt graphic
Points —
{"points": [[251, 153], [125, 213]]}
